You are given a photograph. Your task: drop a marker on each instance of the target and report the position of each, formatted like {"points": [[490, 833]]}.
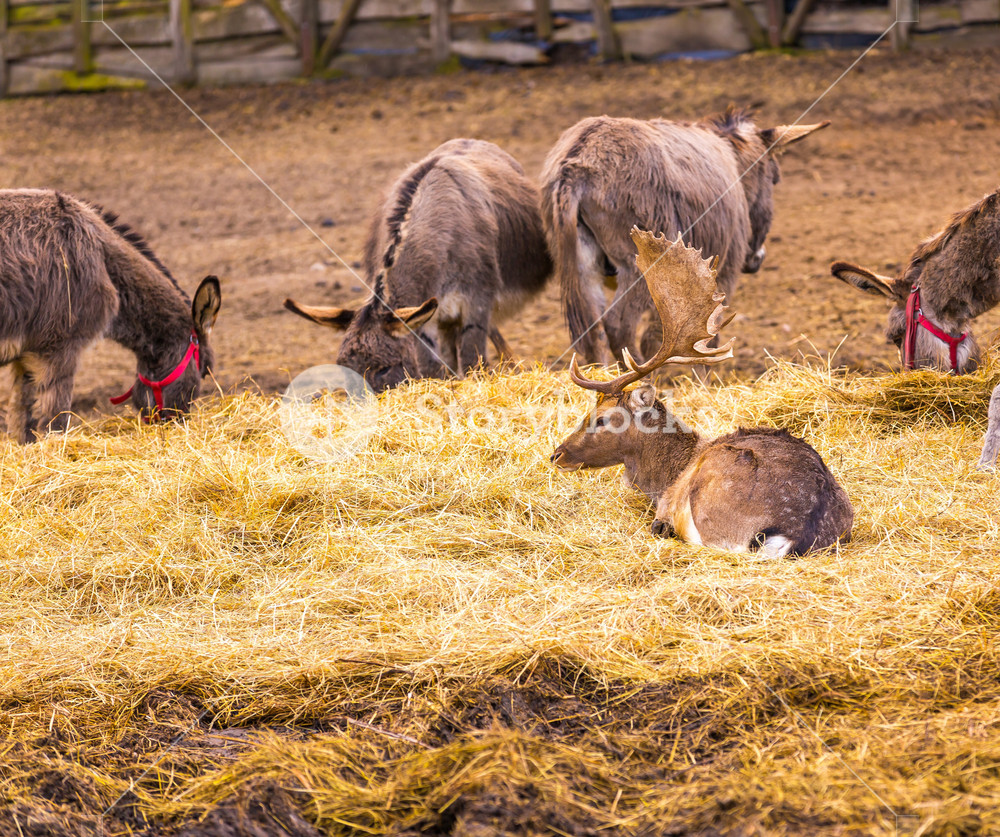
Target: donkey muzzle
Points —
{"points": [[755, 260]]}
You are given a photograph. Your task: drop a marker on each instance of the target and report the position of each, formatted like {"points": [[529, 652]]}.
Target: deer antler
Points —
{"points": [[691, 309]]}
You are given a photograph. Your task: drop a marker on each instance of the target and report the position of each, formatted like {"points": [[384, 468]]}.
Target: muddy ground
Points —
{"points": [[914, 137]]}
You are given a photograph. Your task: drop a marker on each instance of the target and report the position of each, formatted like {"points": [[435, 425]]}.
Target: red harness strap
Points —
{"points": [[157, 386], [915, 317]]}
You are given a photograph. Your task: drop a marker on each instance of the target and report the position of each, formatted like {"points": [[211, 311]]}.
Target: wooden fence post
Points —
{"points": [[904, 13], [284, 20], [182, 34], [748, 20], [4, 18], [336, 37], [608, 45], [309, 37], [83, 55], [793, 25], [543, 19], [775, 22], [441, 31]]}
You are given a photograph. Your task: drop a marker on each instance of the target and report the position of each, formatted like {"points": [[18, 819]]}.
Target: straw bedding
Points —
{"points": [[208, 633]]}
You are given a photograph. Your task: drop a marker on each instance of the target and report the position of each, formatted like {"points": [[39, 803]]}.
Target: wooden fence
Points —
{"points": [[48, 45]]}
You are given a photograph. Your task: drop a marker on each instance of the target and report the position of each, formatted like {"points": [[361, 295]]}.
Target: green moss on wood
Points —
{"points": [[38, 14], [71, 82], [449, 67]]}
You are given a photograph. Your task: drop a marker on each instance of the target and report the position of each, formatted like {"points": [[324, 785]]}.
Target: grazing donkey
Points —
{"points": [[951, 278], [455, 247], [754, 489], [710, 181], [71, 273]]}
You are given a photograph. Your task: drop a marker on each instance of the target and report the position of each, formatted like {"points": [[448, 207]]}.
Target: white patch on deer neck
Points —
{"points": [[761, 253]]}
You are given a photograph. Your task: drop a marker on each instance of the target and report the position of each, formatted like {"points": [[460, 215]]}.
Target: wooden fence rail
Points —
{"points": [[77, 44]]}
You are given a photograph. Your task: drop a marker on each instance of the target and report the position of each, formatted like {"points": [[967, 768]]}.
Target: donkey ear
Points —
{"points": [[338, 318], [780, 137], [863, 279], [205, 307], [408, 319]]}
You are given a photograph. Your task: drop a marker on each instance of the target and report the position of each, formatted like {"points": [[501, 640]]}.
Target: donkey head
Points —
{"points": [[757, 151], [380, 343], [168, 393], [683, 288], [930, 352]]}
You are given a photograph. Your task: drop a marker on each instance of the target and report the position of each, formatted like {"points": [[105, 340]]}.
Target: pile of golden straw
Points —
{"points": [[206, 632]]}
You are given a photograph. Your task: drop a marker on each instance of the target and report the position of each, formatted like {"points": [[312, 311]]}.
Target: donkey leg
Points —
{"points": [[432, 352], [991, 445], [652, 337], [54, 381], [20, 425], [622, 320], [506, 358], [587, 324], [472, 330], [472, 346], [504, 352], [725, 282], [449, 334]]}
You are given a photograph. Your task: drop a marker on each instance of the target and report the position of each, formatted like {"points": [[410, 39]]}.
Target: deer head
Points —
{"points": [[692, 311]]}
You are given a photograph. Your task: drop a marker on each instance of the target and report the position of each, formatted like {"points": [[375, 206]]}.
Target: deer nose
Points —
{"points": [[661, 529]]}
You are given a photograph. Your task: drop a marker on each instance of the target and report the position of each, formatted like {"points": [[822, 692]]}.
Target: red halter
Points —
{"points": [[157, 386], [915, 317]]}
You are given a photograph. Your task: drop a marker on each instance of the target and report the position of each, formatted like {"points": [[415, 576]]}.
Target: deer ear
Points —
{"points": [[410, 319], [205, 308], [780, 137], [642, 397], [337, 318], [863, 279]]}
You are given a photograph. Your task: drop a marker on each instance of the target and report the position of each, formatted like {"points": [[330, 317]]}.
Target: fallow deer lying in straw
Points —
{"points": [[711, 181], [950, 279], [755, 489], [70, 274], [456, 247]]}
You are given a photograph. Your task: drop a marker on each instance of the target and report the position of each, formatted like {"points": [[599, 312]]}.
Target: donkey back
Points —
{"points": [[71, 273], [455, 247]]}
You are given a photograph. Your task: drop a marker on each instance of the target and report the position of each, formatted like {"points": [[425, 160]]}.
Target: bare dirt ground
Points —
{"points": [[913, 139]]}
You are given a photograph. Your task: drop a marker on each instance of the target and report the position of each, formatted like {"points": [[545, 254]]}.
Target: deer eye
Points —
{"points": [[600, 421]]}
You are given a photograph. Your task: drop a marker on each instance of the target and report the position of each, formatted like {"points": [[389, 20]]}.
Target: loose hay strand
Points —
{"points": [[444, 631]]}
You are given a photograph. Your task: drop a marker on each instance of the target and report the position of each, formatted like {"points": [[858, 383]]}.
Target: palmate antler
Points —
{"points": [[691, 309]]}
